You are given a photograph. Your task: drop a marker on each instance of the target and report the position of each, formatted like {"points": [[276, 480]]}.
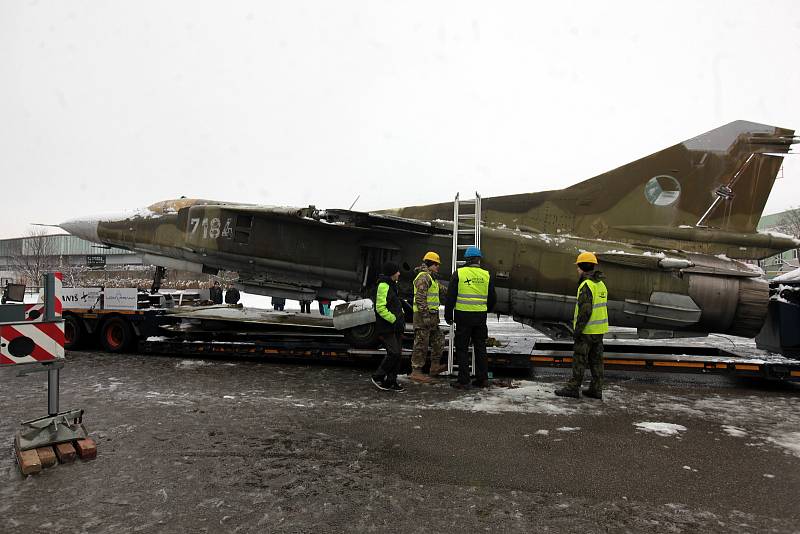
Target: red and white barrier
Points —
{"points": [[29, 343], [39, 337]]}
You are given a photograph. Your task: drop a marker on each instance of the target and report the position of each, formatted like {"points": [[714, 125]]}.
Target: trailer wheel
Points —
{"points": [[116, 335], [362, 337], [74, 333]]}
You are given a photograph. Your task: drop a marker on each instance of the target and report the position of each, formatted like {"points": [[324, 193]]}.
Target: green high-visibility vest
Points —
{"points": [[598, 322], [473, 289], [433, 293]]}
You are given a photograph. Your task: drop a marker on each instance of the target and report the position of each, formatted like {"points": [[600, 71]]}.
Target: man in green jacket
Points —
{"points": [[389, 325], [590, 323]]}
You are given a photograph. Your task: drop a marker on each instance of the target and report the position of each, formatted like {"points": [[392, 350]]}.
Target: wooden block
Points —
{"points": [[86, 448], [65, 452], [47, 456], [29, 462]]}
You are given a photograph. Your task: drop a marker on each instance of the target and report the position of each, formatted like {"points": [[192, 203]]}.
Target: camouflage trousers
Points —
{"points": [[426, 337], [588, 352]]}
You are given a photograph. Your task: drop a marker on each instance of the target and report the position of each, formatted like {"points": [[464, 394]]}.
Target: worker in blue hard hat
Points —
{"points": [[470, 297]]}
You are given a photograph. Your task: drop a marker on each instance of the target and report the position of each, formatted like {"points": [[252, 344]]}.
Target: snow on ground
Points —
{"points": [[250, 300], [766, 422], [789, 440], [734, 431], [662, 429], [529, 397], [192, 364]]}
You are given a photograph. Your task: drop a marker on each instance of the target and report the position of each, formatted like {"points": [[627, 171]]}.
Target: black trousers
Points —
{"points": [[390, 365], [471, 328]]}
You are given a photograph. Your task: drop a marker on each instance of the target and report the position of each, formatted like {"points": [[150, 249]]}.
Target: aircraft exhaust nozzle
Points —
{"points": [[83, 228]]}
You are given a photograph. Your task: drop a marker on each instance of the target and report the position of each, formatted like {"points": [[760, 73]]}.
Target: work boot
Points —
{"points": [[460, 385], [593, 394], [437, 368], [568, 392], [418, 376]]}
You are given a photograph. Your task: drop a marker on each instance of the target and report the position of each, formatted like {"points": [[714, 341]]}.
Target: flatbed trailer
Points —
{"points": [[621, 357], [113, 330], [156, 331], [673, 359]]}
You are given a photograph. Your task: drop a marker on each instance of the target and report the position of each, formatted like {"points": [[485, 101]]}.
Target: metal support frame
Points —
{"points": [[466, 226], [56, 427]]}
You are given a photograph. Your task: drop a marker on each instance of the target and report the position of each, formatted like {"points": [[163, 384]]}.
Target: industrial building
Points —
{"points": [[786, 222]]}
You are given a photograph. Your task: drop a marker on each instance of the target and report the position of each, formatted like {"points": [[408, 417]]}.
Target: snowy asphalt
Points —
{"points": [[240, 446]]}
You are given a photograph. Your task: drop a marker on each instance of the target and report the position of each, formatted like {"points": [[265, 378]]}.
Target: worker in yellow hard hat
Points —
{"points": [[427, 335], [589, 323]]}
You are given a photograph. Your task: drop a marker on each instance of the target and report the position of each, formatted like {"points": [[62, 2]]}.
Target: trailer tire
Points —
{"points": [[362, 337], [74, 332], [116, 335]]}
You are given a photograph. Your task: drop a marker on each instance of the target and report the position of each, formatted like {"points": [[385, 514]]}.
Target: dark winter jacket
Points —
{"points": [[388, 307], [215, 294], [232, 296]]}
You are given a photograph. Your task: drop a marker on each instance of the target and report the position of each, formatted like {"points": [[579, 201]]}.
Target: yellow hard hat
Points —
{"points": [[586, 257], [432, 256]]}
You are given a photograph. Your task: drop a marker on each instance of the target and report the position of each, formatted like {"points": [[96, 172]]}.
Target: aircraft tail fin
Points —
{"points": [[720, 179]]}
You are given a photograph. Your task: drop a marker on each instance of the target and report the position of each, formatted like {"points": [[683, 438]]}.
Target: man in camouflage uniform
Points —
{"points": [[426, 320], [590, 323]]}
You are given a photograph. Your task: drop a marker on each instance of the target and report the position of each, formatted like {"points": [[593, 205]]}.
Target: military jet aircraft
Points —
{"points": [[670, 230]]}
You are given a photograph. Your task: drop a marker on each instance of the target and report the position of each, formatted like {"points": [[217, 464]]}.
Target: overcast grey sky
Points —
{"points": [[113, 105]]}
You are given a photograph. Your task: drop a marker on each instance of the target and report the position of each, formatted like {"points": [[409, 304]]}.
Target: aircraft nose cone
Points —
{"points": [[83, 228]]}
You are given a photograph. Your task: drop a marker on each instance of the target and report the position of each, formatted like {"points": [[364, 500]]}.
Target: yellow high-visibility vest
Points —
{"points": [[473, 289], [433, 293], [598, 322]]}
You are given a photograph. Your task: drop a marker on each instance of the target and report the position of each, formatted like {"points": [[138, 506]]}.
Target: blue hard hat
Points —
{"points": [[472, 252]]}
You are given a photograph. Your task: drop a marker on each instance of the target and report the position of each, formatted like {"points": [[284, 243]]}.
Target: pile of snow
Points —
{"points": [[662, 429]]}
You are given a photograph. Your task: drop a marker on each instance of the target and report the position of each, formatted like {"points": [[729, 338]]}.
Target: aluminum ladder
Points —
{"points": [[466, 233]]}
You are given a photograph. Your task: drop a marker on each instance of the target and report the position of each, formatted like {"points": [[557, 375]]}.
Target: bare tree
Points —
{"points": [[72, 275], [34, 256], [789, 223]]}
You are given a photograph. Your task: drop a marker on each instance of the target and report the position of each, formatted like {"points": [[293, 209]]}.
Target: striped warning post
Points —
{"points": [[38, 311], [59, 283], [30, 343], [40, 336], [34, 312]]}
